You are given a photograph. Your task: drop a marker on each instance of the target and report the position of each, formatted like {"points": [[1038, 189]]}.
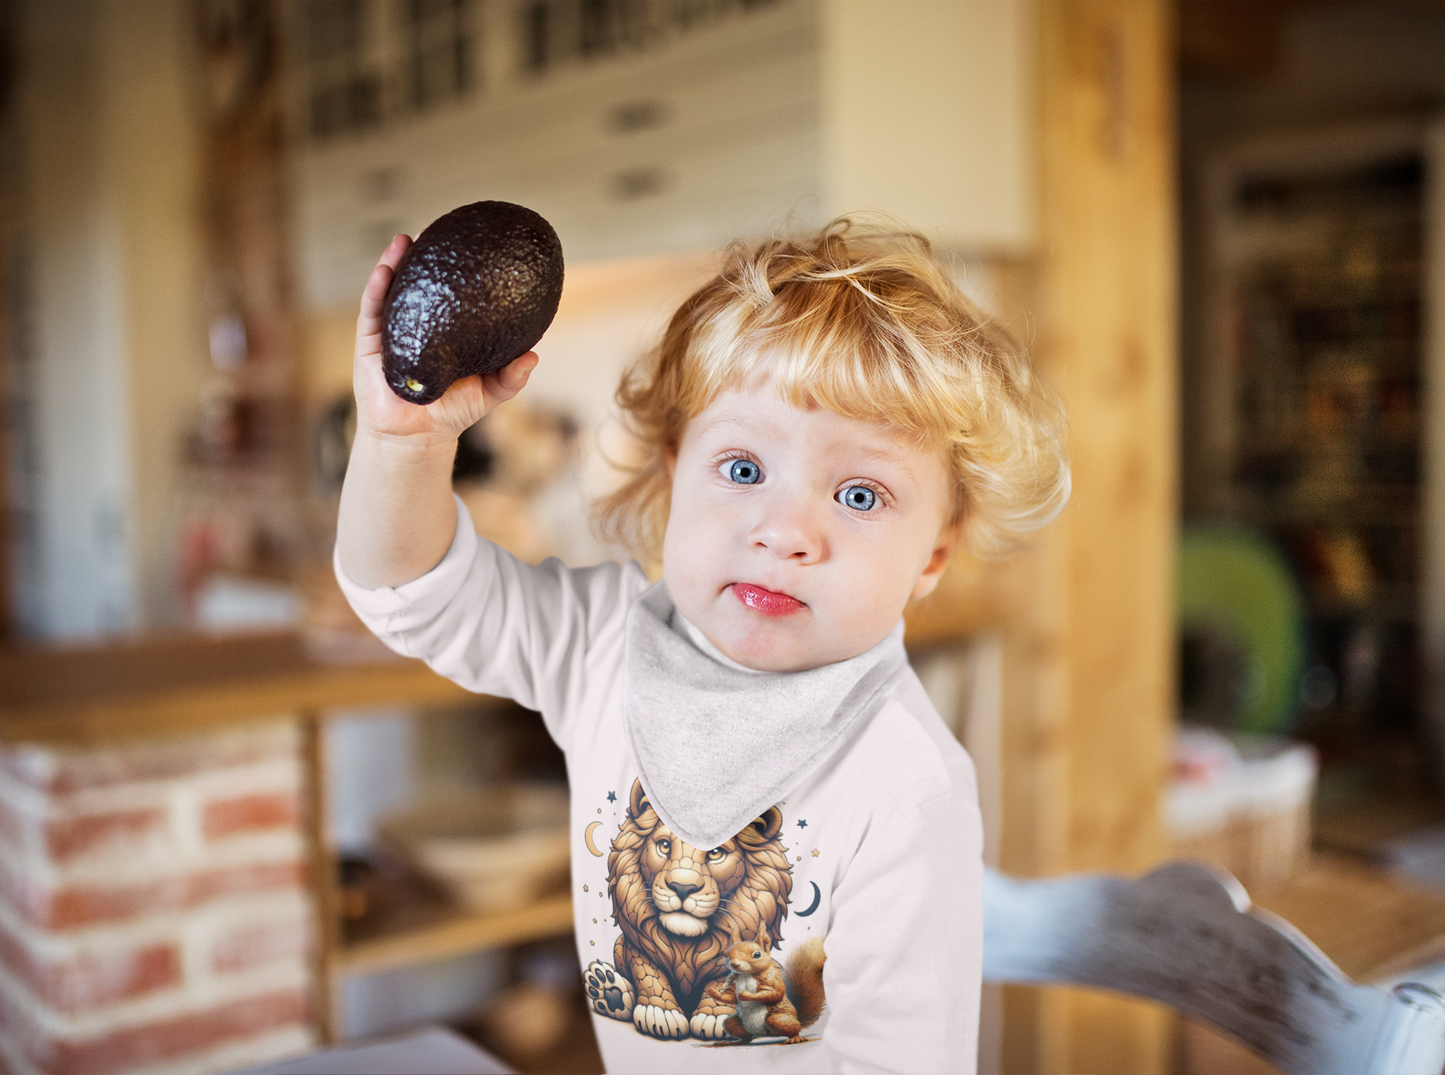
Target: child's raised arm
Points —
{"points": [[397, 517]]}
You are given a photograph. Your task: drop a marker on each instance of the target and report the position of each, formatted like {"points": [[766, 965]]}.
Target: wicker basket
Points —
{"points": [[1252, 815], [490, 848]]}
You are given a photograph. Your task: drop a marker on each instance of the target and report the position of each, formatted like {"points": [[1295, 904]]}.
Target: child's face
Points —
{"points": [[796, 536]]}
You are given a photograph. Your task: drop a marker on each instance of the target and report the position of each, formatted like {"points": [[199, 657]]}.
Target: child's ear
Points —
{"points": [[948, 539]]}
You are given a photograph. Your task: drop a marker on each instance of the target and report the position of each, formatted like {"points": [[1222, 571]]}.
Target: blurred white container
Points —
{"points": [[233, 603], [1242, 803], [490, 848]]}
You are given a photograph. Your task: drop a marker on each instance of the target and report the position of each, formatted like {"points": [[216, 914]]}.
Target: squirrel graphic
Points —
{"points": [[769, 1000]]}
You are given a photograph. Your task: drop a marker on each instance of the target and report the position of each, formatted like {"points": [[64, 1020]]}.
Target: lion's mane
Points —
{"points": [[761, 895]]}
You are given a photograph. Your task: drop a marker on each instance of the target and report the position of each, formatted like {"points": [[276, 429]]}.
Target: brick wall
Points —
{"points": [[153, 906]]}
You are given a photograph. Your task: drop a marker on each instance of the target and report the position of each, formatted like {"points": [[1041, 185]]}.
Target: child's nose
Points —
{"points": [[790, 532]]}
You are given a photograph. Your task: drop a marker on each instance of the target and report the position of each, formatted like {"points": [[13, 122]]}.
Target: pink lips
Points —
{"points": [[767, 602]]}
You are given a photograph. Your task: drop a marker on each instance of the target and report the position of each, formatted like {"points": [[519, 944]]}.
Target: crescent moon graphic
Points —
{"points": [[587, 839], [817, 899]]}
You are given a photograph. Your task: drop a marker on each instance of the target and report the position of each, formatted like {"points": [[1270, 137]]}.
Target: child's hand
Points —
{"points": [[382, 413]]}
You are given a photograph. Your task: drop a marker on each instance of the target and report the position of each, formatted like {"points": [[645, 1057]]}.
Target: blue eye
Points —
{"points": [[858, 497], [745, 472]]}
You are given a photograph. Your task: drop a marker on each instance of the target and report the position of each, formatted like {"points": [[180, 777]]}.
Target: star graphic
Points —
{"points": [[612, 796], [815, 852], [802, 824]]}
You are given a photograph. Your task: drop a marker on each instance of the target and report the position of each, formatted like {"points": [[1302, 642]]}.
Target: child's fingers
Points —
{"points": [[374, 293], [398, 246], [515, 373], [511, 378]]}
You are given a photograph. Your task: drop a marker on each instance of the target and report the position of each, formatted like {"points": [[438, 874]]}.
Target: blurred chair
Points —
{"points": [[1185, 936]]}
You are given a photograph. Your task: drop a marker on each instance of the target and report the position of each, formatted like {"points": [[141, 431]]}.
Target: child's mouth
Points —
{"points": [[767, 602]]}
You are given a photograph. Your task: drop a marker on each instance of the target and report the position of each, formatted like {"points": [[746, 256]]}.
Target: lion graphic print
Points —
{"points": [[693, 958]]}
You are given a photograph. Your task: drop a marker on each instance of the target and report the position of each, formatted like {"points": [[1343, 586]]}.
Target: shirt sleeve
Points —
{"points": [[905, 948], [499, 626]]}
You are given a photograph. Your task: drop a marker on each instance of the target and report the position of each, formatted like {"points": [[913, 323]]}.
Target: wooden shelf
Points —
{"points": [[189, 683], [455, 934]]}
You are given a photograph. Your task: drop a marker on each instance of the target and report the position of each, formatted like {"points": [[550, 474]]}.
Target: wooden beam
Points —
{"points": [[9, 609], [1432, 548], [1089, 666], [183, 684], [329, 1015]]}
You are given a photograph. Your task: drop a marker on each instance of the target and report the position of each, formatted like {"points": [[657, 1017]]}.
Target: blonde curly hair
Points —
{"points": [[862, 320]]}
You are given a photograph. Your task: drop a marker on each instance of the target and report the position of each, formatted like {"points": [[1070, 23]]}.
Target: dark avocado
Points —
{"points": [[476, 289]]}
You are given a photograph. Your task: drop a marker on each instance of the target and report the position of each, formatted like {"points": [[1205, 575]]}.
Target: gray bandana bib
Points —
{"points": [[715, 743]]}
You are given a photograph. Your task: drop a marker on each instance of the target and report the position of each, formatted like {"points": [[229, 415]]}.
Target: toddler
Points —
{"points": [[775, 839]]}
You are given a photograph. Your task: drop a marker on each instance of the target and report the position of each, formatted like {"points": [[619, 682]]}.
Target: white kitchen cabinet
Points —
{"points": [[713, 135], [768, 115]]}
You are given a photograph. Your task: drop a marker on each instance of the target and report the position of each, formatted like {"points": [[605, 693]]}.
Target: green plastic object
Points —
{"points": [[1236, 581]]}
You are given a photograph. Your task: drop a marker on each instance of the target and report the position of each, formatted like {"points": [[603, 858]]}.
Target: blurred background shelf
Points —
{"points": [[187, 683], [419, 932]]}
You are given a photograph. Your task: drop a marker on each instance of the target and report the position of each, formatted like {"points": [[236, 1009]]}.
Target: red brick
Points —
{"points": [[64, 836], [86, 981], [68, 838], [256, 943], [250, 813], [165, 1039], [59, 836], [77, 905], [61, 770]]}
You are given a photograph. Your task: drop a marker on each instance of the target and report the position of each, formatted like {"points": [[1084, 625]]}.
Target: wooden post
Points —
{"points": [[1089, 664], [328, 1015], [9, 609], [1432, 548]]}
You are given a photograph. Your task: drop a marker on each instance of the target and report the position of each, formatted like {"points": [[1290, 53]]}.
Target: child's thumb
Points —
{"points": [[517, 372]]}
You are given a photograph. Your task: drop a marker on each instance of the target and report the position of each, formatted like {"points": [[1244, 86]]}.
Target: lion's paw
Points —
{"points": [[608, 992], [660, 1022], [709, 1026]]}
